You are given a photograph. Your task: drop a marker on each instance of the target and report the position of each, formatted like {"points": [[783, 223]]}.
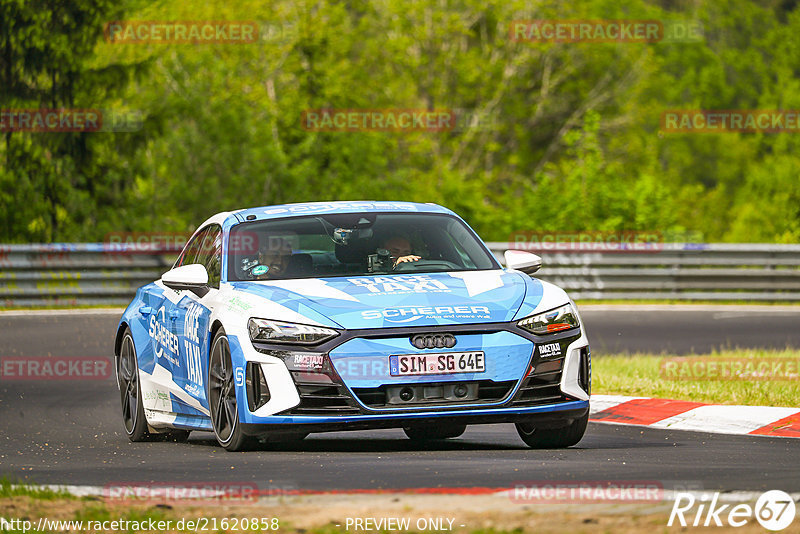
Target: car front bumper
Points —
{"points": [[522, 382], [545, 416]]}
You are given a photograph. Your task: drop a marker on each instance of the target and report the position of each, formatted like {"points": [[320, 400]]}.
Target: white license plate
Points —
{"points": [[443, 363]]}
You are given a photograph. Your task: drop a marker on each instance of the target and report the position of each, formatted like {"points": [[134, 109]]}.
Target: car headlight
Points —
{"points": [[281, 332], [552, 321]]}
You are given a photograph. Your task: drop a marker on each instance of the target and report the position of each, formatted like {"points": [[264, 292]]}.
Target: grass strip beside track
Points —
{"points": [[328, 514], [641, 375]]}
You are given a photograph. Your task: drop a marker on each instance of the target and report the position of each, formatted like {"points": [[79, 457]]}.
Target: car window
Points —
{"points": [[192, 248], [210, 254], [355, 244]]}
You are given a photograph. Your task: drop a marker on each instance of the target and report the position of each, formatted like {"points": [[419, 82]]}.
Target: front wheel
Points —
{"points": [[553, 438], [222, 397]]}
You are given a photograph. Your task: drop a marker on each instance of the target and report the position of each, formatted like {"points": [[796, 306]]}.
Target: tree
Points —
{"points": [[54, 184]]}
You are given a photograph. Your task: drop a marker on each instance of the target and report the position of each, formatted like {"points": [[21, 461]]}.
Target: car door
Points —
{"points": [[166, 327], [193, 314]]}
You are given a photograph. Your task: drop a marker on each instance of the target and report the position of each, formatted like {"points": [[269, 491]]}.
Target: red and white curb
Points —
{"points": [[684, 415]]}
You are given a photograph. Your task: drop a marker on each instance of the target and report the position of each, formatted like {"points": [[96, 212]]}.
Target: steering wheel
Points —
{"points": [[432, 265]]}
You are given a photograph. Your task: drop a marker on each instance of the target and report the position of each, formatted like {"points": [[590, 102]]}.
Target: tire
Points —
{"points": [[553, 438], [430, 432], [133, 419], [130, 390], [224, 409]]}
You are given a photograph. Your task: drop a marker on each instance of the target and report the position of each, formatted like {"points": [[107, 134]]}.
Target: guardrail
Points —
{"points": [[675, 271], [78, 274]]}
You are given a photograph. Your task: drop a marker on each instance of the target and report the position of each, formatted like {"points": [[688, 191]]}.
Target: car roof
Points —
{"points": [[323, 208]]}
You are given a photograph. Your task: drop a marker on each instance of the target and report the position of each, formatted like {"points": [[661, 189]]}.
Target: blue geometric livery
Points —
{"points": [[280, 321]]}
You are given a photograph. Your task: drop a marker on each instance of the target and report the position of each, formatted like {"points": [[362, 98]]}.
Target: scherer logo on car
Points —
{"points": [[405, 314], [163, 338]]}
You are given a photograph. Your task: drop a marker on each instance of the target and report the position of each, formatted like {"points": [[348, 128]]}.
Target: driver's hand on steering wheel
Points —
{"points": [[407, 259]]}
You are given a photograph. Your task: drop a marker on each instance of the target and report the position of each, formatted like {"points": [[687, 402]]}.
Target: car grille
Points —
{"points": [[430, 394], [542, 385]]}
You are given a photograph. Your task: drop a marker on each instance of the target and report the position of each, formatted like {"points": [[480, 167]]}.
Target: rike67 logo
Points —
{"points": [[774, 510]]}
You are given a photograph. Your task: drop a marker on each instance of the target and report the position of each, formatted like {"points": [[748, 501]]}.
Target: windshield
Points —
{"points": [[354, 244]]}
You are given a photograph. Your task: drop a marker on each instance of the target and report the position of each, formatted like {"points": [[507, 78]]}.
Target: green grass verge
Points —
{"points": [[641, 375], [9, 488]]}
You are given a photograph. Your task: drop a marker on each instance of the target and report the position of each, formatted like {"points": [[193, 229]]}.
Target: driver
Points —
{"points": [[400, 250], [273, 259]]}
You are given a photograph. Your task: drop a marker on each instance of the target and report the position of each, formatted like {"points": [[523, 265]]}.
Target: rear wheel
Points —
{"points": [[131, 396], [429, 432], [130, 393], [553, 438], [222, 397]]}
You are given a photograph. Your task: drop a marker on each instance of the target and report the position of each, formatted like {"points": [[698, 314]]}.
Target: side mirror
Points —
{"points": [[193, 277], [522, 261]]}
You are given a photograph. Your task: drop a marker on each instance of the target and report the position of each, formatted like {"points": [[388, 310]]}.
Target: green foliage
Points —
{"points": [[58, 186], [570, 138]]}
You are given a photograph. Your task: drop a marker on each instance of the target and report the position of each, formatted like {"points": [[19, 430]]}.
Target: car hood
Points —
{"points": [[398, 300]]}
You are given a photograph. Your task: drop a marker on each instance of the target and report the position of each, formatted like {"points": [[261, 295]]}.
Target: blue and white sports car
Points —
{"points": [[280, 321]]}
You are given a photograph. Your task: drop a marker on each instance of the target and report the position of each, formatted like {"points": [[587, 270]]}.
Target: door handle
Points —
{"points": [[145, 310]]}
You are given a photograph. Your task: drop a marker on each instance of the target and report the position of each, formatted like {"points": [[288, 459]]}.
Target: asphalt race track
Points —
{"points": [[70, 432]]}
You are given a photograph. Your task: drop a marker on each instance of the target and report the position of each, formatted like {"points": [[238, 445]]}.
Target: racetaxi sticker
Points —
{"points": [[307, 362], [549, 350], [400, 284], [191, 342]]}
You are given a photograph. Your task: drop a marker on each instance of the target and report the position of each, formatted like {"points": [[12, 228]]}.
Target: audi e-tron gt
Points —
{"points": [[280, 321]]}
